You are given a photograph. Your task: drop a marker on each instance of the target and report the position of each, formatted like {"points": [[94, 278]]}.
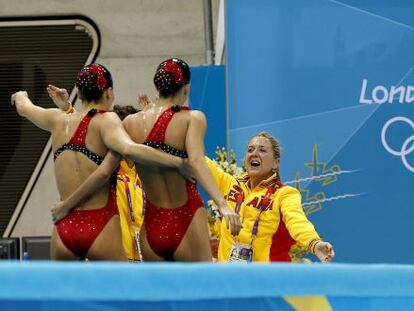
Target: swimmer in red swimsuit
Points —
{"points": [[80, 140], [80, 228], [175, 227], [166, 227]]}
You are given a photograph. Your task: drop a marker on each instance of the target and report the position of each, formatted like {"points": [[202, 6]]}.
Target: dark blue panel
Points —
{"points": [[208, 95]]}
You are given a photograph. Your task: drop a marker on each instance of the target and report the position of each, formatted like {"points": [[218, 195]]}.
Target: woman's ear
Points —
{"points": [[109, 93], [276, 164], [186, 90]]}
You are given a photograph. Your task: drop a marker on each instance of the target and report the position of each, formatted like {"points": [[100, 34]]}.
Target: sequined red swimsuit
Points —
{"points": [[166, 227], [79, 229]]}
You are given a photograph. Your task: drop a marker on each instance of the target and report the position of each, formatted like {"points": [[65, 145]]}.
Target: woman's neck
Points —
{"points": [[86, 106], [165, 102], [256, 180]]}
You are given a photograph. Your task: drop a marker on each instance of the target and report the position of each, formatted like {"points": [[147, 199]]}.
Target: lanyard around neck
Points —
{"points": [[125, 179], [239, 201], [263, 206]]}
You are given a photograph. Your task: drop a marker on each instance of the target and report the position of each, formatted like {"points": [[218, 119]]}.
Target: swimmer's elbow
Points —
{"points": [[127, 151]]}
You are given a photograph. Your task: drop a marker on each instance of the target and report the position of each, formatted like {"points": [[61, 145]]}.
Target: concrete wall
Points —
{"points": [[135, 36]]}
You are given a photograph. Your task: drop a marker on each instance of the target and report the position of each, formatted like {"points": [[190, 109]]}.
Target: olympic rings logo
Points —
{"points": [[404, 151]]}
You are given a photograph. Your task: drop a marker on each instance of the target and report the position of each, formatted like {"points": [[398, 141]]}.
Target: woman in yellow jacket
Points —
{"points": [[271, 214], [129, 200]]}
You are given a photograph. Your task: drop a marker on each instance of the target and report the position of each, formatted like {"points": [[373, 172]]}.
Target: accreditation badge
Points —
{"points": [[136, 243], [241, 253]]}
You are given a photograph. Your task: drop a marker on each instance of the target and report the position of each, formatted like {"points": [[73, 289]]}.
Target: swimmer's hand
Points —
{"points": [[144, 102], [20, 100], [59, 211], [59, 96], [186, 171], [232, 219]]}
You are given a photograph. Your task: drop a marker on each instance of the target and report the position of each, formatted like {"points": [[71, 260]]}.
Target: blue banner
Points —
{"points": [[333, 82]]}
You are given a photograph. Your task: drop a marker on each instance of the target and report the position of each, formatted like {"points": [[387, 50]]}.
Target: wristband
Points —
{"points": [[312, 245], [70, 108]]}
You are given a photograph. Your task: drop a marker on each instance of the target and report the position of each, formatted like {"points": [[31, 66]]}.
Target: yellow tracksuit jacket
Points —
{"points": [[283, 226], [127, 226]]}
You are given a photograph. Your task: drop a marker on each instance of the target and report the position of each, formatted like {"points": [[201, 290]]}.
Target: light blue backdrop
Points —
{"points": [[315, 74], [106, 286]]}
